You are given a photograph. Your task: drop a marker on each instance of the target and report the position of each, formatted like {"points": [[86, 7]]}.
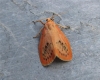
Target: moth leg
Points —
{"points": [[38, 33], [40, 29], [65, 27], [38, 21]]}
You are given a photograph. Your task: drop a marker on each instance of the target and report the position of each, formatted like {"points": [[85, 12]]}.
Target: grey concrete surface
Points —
{"points": [[19, 58]]}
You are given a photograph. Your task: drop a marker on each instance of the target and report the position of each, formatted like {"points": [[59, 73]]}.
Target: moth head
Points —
{"points": [[49, 19]]}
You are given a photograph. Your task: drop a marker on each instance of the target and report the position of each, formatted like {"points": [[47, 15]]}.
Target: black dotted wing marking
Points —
{"points": [[62, 48], [47, 51]]}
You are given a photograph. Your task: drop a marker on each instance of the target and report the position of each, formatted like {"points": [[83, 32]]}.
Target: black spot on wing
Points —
{"points": [[47, 51], [62, 47]]}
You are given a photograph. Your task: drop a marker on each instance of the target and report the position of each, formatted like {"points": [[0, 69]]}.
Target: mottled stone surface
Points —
{"points": [[19, 58]]}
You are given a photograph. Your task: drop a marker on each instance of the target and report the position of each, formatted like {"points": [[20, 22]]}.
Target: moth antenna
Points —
{"points": [[53, 15], [34, 22], [38, 21]]}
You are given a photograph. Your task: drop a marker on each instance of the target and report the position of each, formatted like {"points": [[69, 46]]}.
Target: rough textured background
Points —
{"points": [[19, 58]]}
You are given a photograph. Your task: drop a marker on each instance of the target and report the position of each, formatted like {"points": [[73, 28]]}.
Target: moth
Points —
{"points": [[53, 43]]}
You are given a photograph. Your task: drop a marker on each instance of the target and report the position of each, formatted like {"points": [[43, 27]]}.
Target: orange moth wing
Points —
{"points": [[64, 51], [46, 48], [53, 43]]}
